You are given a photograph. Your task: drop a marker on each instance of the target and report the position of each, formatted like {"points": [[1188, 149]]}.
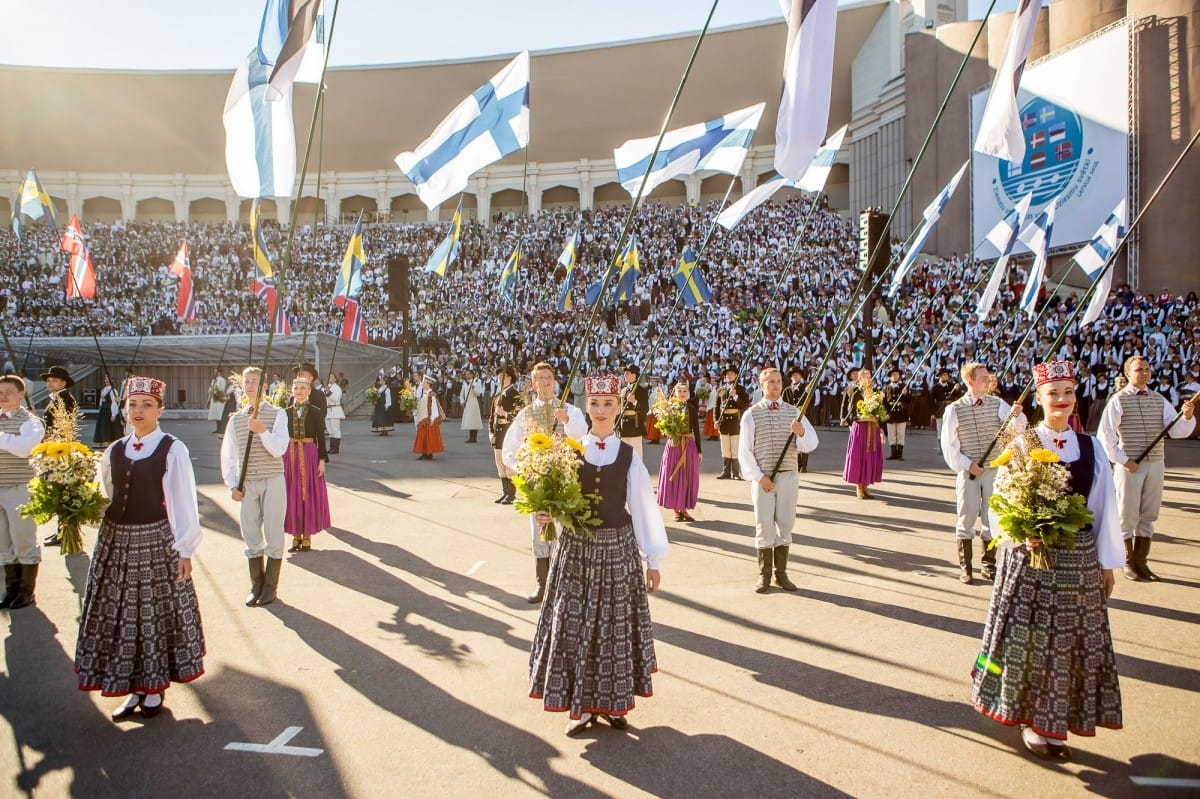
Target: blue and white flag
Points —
{"points": [[931, 216], [260, 138], [1003, 236], [289, 30], [439, 263], [568, 260], [719, 145], [1000, 131], [813, 180], [490, 124], [807, 84], [1037, 238], [1093, 257]]}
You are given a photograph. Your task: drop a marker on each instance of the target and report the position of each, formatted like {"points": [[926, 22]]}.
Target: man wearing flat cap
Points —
{"points": [[635, 405]]}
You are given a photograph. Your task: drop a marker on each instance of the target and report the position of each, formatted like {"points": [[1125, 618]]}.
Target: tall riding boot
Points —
{"points": [[1131, 571], [503, 491], [736, 469], [894, 455], [1141, 551], [510, 492], [12, 584], [727, 473], [765, 562], [899, 452], [270, 589], [988, 559], [25, 596], [335, 446], [543, 572], [803, 463], [780, 555], [964, 561], [256, 580]]}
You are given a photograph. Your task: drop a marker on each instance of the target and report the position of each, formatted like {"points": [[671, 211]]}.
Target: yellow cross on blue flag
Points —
{"points": [[33, 202], [630, 267], [508, 277], [439, 263], [687, 276]]}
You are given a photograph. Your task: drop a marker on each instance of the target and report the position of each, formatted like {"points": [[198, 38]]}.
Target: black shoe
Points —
{"points": [[52, 540], [507, 499], [152, 711], [616, 722], [1037, 750], [125, 711], [1058, 751]]}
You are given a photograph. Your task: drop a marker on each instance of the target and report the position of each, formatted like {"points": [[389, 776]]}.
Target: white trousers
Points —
{"points": [[1139, 496], [729, 446], [775, 511], [18, 536], [333, 427], [262, 513], [972, 503], [895, 433]]}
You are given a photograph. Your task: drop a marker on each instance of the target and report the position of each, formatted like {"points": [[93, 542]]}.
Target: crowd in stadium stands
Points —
{"points": [[462, 319]]}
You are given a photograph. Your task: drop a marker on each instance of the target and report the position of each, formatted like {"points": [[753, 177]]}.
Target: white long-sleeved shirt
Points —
{"points": [[274, 440], [22, 442], [751, 470], [179, 486], [576, 427], [1110, 423], [952, 452], [648, 527]]}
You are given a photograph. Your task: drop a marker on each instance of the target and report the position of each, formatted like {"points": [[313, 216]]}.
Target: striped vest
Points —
{"points": [[262, 464], [542, 419], [1141, 422], [771, 431], [977, 424], [13, 470]]}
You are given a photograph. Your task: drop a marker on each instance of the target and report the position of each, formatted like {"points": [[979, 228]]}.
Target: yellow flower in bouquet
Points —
{"points": [[547, 479], [872, 406], [672, 419], [1034, 503], [1001, 460]]}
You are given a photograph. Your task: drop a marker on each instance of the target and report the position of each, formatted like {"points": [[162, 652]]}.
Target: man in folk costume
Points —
{"points": [[732, 401], [763, 444], [896, 398], [1132, 419], [472, 414], [335, 414], [793, 394], [428, 420], [546, 414], [944, 392], [58, 381], [20, 552], [263, 495], [635, 406], [969, 425], [505, 405]]}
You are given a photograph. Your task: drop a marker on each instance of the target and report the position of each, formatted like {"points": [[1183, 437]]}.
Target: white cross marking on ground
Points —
{"points": [[277, 747]]}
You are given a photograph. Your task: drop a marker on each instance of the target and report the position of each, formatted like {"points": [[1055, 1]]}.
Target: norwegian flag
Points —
{"points": [[267, 293], [1063, 151], [81, 274], [354, 322], [185, 304]]}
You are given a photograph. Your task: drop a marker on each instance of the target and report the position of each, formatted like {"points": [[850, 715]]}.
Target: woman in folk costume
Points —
{"points": [[428, 419], [140, 627], [679, 472], [593, 649], [1046, 662], [108, 416], [216, 399], [381, 416], [864, 447], [304, 469]]}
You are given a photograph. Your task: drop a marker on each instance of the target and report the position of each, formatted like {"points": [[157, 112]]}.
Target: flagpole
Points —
{"points": [[13, 355], [1083, 302], [581, 348], [287, 253], [1163, 433], [87, 318]]}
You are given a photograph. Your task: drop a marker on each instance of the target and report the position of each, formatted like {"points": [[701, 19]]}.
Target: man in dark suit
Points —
{"points": [[793, 393], [635, 405]]}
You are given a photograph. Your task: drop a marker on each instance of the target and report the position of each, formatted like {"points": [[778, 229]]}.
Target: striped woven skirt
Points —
{"points": [[1047, 655], [593, 650], [139, 631]]}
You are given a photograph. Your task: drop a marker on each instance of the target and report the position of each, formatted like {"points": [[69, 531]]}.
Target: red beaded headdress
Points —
{"points": [[147, 386], [602, 385], [1053, 370]]}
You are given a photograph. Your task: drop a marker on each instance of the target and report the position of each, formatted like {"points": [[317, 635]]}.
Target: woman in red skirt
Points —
{"points": [[428, 418]]}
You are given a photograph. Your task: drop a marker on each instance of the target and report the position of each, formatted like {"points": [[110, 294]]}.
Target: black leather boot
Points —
{"points": [[727, 473], [256, 580], [503, 491], [270, 589], [988, 560], [1141, 551], [964, 561], [25, 596], [780, 556], [543, 571], [1131, 572], [735, 469], [12, 584], [894, 455], [899, 452], [803, 463], [765, 562], [335, 446], [510, 492]]}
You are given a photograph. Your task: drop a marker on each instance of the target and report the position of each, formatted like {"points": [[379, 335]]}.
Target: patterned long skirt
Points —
{"points": [[307, 494], [139, 631], [1047, 655], [864, 454], [593, 650], [679, 475]]}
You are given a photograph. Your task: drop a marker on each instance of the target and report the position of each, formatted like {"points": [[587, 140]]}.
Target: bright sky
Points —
{"points": [[217, 34]]}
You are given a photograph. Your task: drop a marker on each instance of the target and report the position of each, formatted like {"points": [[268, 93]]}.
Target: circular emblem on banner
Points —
{"points": [[1053, 147]]}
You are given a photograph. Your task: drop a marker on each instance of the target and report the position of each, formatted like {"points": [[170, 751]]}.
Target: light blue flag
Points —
{"points": [[439, 263], [32, 201], [485, 127], [1003, 236], [627, 277], [592, 293], [719, 145], [689, 279], [1093, 257], [931, 216], [260, 136], [1037, 238], [568, 259]]}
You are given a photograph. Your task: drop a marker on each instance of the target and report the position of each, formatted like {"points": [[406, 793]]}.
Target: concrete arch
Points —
{"points": [[206, 211], [349, 208], [608, 195], [715, 186], [470, 208], [408, 208], [155, 209], [266, 210], [101, 209], [558, 197], [673, 192], [5, 208], [310, 210], [507, 201]]}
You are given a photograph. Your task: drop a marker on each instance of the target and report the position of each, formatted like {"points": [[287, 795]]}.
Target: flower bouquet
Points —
{"points": [[547, 479], [1034, 503], [703, 393], [406, 400], [65, 486], [372, 394], [215, 394], [872, 407], [281, 397], [671, 415]]}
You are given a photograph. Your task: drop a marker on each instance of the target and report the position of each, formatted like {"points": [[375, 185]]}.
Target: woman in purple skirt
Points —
{"points": [[864, 448], [679, 472], [304, 469]]}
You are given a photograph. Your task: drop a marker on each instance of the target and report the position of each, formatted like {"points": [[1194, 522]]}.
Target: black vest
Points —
{"points": [[1083, 470], [137, 485], [607, 484]]}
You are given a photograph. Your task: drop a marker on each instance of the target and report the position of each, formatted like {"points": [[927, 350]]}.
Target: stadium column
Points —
{"points": [[483, 200]]}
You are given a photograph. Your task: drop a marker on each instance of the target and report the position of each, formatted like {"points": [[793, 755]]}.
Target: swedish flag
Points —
{"points": [[262, 261], [508, 278], [33, 202], [689, 279], [439, 263], [349, 279], [568, 259], [630, 267]]}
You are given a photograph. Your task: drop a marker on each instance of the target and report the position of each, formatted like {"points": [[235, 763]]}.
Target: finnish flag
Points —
{"points": [[1093, 257], [490, 124], [260, 137], [931, 216], [1003, 236], [719, 145], [1037, 238]]}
